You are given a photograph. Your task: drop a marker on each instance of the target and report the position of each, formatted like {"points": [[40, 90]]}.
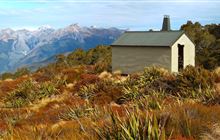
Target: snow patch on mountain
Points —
{"points": [[19, 47]]}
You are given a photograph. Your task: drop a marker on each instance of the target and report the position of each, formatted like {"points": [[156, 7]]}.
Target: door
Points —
{"points": [[180, 57]]}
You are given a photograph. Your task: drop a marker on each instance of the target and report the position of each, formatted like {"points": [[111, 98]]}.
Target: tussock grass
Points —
{"points": [[28, 92], [66, 101]]}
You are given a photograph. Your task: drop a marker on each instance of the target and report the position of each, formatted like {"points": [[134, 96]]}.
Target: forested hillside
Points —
{"points": [[207, 41]]}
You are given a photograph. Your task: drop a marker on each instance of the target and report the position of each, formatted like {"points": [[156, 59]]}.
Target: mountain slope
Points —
{"points": [[22, 47]]}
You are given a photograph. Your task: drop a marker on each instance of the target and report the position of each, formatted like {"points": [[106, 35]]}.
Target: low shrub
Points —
{"points": [[7, 75], [191, 120], [19, 72], [133, 126], [72, 74], [101, 92], [23, 95], [76, 112], [129, 93], [46, 89], [139, 85], [144, 79], [194, 79], [28, 92], [86, 79], [88, 91], [196, 83], [152, 74], [217, 71], [214, 133]]}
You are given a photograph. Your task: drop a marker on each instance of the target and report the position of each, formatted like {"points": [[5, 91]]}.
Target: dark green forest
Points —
{"points": [[207, 41]]}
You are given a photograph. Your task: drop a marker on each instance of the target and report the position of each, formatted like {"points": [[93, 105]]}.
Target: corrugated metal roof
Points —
{"points": [[150, 38]]}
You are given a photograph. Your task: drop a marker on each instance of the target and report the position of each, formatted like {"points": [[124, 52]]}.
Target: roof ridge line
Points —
{"points": [[153, 31]]}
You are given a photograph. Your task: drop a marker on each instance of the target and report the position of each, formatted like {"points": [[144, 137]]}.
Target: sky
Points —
{"points": [[123, 14]]}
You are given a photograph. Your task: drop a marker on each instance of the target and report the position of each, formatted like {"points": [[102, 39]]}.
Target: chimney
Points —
{"points": [[166, 23]]}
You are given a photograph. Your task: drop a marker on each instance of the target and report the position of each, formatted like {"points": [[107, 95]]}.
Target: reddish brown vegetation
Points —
{"points": [[188, 116]]}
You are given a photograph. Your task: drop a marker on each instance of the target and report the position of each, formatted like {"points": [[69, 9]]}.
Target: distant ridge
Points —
{"points": [[23, 47]]}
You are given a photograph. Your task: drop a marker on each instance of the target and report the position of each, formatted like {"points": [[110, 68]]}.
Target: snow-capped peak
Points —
{"points": [[7, 30], [93, 26], [45, 27], [76, 25], [24, 46], [73, 28]]}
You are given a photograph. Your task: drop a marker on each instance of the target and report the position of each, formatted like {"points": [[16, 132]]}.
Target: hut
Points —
{"points": [[169, 49]]}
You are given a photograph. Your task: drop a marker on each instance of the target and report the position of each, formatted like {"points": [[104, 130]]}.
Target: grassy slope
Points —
{"points": [[74, 100]]}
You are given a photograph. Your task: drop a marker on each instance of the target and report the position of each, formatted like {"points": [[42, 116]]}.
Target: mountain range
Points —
{"points": [[19, 48]]}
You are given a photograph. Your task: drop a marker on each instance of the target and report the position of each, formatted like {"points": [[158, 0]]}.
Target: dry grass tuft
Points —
{"points": [[214, 133], [65, 101]]}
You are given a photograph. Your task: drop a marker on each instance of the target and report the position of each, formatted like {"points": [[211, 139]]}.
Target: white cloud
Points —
{"points": [[126, 14]]}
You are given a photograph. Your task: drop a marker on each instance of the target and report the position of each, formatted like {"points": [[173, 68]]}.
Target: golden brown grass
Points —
{"points": [[186, 118]]}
